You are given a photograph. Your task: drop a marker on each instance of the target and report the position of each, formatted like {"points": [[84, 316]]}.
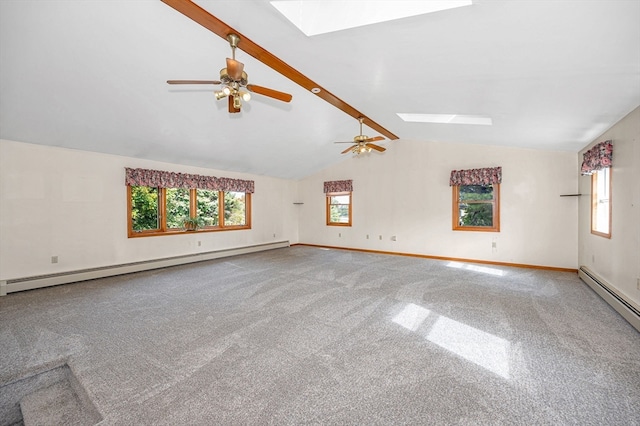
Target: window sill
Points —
{"points": [[183, 232]]}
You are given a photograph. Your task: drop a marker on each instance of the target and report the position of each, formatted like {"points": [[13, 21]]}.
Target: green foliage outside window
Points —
{"points": [[144, 208], [476, 205], [339, 213], [234, 208], [177, 207], [207, 206]]}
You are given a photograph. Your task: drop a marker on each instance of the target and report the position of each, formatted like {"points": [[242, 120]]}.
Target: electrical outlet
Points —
{"points": [[380, 237], [199, 243], [274, 235], [394, 238], [494, 245], [339, 234], [54, 259], [367, 236]]}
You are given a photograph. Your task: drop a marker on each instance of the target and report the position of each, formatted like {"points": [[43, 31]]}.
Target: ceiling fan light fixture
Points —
{"points": [[237, 102], [226, 90], [246, 96], [220, 94]]}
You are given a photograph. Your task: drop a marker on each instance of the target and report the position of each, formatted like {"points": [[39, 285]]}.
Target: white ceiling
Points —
{"points": [[91, 75]]}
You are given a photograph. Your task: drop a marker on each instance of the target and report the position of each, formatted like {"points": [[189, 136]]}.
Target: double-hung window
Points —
{"points": [[476, 199], [339, 202], [339, 208]]}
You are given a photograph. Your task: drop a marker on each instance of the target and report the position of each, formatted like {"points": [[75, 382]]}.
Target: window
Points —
{"points": [[177, 207], [597, 162], [339, 208], [163, 203], [476, 199], [476, 208], [208, 207], [601, 202], [144, 210], [162, 211]]}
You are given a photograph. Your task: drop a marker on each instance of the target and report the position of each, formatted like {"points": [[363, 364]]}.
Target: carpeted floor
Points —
{"points": [[305, 335]]}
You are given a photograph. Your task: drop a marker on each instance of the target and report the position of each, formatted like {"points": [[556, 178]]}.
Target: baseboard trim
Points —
{"points": [[454, 259], [626, 309], [30, 283]]}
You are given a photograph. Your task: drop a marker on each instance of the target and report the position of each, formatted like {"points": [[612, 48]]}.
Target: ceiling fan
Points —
{"points": [[234, 80], [362, 143]]}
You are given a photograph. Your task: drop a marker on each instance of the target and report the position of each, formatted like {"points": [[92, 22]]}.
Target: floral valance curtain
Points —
{"points": [[487, 176], [160, 179], [338, 186], [597, 158]]}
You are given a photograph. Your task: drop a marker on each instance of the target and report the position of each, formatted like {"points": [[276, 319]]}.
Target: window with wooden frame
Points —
{"points": [[338, 202], [155, 208], [597, 162], [601, 202], [339, 208], [163, 211], [476, 199], [476, 208]]}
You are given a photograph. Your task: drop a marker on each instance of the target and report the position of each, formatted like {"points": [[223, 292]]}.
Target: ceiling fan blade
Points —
{"points": [[351, 142], [348, 149], [232, 108], [193, 82], [216, 26], [376, 147], [281, 96], [377, 138], [234, 69]]}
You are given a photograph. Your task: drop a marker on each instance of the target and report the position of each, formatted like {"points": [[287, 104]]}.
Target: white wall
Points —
{"points": [[72, 204], [617, 260], [405, 192]]}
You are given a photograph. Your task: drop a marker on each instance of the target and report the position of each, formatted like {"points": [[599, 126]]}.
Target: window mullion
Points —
{"points": [[162, 209], [221, 209], [193, 205]]}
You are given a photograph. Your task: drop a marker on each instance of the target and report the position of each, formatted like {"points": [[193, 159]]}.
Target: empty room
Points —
{"points": [[250, 212]]}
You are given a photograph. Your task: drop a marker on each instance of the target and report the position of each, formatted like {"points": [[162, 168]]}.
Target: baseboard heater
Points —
{"points": [[604, 290], [29, 283]]}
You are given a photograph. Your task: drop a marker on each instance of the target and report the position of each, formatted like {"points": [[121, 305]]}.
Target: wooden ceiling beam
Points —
{"points": [[215, 25]]}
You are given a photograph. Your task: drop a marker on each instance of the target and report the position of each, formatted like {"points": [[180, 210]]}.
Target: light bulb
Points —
{"points": [[226, 90], [219, 94], [246, 96]]}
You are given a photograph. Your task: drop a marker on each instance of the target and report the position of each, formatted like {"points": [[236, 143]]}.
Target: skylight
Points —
{"points": [[447, 118], [315, 17]]}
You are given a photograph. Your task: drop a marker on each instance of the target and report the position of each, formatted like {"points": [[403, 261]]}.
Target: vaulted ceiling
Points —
{"points": [[91, 75]]}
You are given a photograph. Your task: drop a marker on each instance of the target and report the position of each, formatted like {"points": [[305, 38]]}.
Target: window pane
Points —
{"points": [[177, 207], [476, 192], [339, 214], [234, 208], [144, 208], [207, 205], [478, 214], [601, 210], [340, 199]]}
